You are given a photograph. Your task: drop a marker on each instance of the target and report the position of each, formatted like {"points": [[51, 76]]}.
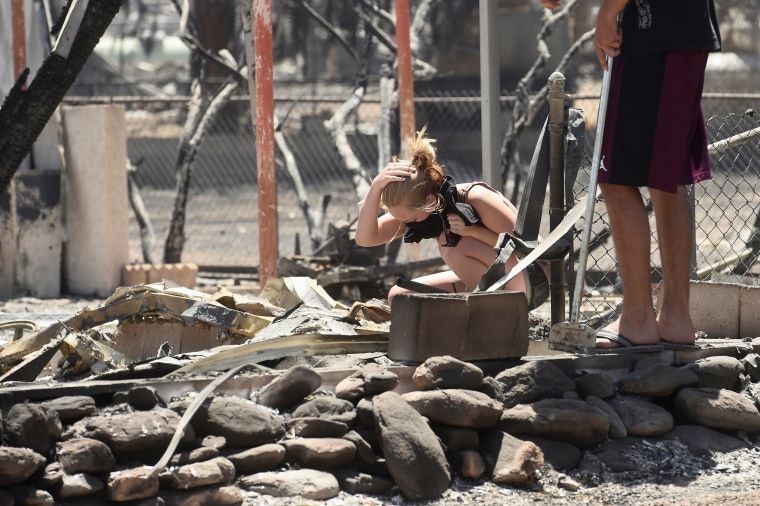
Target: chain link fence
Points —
{"points": [[222, 215]]}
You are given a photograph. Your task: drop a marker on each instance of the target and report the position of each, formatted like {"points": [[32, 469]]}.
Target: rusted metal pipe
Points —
{"points": [[265, 142], [405, 76], [557, 131], [19, 38]]}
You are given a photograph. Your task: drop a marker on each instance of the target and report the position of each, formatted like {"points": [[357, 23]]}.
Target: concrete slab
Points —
{"points": [[468, 326], [749, 311], [715, 308]]}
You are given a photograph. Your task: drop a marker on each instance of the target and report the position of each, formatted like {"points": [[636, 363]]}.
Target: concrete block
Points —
{"points": [[468, 326], [183, 274], [30, 235], [715, 308], [97, 206], [749, 311]]}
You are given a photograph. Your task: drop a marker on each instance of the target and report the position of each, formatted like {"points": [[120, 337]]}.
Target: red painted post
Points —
{"points": [[19, 38], [265, 144], [405, 76]]}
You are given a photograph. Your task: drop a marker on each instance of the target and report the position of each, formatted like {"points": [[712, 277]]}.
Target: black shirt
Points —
{"points": [[658, 26]]}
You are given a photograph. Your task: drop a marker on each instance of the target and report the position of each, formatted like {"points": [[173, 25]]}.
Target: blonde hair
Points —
{"points": [[426, 180]]}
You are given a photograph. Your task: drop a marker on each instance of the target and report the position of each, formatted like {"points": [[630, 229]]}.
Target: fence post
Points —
{"points": [[265, 143], [405, 76], [557, 132]]}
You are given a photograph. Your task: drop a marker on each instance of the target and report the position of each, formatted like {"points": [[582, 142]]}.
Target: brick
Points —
{"points": [[468, 326]]}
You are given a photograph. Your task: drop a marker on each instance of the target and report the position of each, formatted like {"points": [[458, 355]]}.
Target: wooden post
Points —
{"points": [[405, 76], [265, 142], [19, 38]]}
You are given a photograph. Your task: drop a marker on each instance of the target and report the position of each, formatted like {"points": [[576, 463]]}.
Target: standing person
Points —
{"points": [[654, 137], [422, 202]]}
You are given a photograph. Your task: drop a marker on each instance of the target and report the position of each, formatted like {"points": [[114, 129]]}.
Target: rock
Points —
{"points": [[213, 442], [310, 426], [217, 471], [751, 364], [717, 409], [641, 417], [74, 486], [530, 381], [319, 453], [573, 421], [71, 408], [255, 460], [195, 455], [703, 442], [364, 451], [413, 453], [289, 388], [469, 464], [243, 423], [126, 434], [597, 384], [329, 408], [28, 495], [85, 455], [216, 496], [144, 398], [32, 426], [370, 379], [305, 483], [660, 380], [717, 372], [51, 476], [617, 427], [510, 460], [447, 372], [458, 408], [355, 482], [18, 464]]}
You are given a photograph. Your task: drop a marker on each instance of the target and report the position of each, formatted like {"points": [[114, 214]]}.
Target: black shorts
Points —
{"points": [[654, 132]]}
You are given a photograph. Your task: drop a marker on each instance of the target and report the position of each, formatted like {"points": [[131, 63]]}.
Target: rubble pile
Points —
{"points": [[293, 437], [197, 399]]}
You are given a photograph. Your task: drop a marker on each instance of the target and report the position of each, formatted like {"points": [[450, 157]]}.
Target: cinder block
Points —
{"points": [[183, 274], [715, 308], [134, 274], [749, 311], [468, 326]]}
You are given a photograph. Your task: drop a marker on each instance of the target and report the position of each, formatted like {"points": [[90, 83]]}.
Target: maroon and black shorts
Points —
{"points": [[654, 132]]}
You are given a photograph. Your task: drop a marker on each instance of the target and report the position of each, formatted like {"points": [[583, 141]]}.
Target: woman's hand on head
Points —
{"points": [[393, 172]]}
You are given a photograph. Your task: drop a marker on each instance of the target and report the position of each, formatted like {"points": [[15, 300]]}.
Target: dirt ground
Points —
{"points": [[667, 474]]}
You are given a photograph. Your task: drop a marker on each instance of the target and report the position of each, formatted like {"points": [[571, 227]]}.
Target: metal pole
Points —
{"points": [[265, 143], [557, 132], [405, 76], [490, 83], [19, 37]]}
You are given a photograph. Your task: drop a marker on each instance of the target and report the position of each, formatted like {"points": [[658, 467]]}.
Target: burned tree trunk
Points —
{"points": [[25, 112]]}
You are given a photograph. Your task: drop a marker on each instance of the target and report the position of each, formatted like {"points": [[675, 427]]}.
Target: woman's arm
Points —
{"points": [[372, 230], [497, 215]]}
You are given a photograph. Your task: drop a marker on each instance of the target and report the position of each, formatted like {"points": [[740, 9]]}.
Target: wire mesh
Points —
{"points": [[222, 215]]}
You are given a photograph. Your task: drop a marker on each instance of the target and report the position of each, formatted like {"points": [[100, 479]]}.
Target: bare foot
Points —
{"points": [[637, 337]]}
